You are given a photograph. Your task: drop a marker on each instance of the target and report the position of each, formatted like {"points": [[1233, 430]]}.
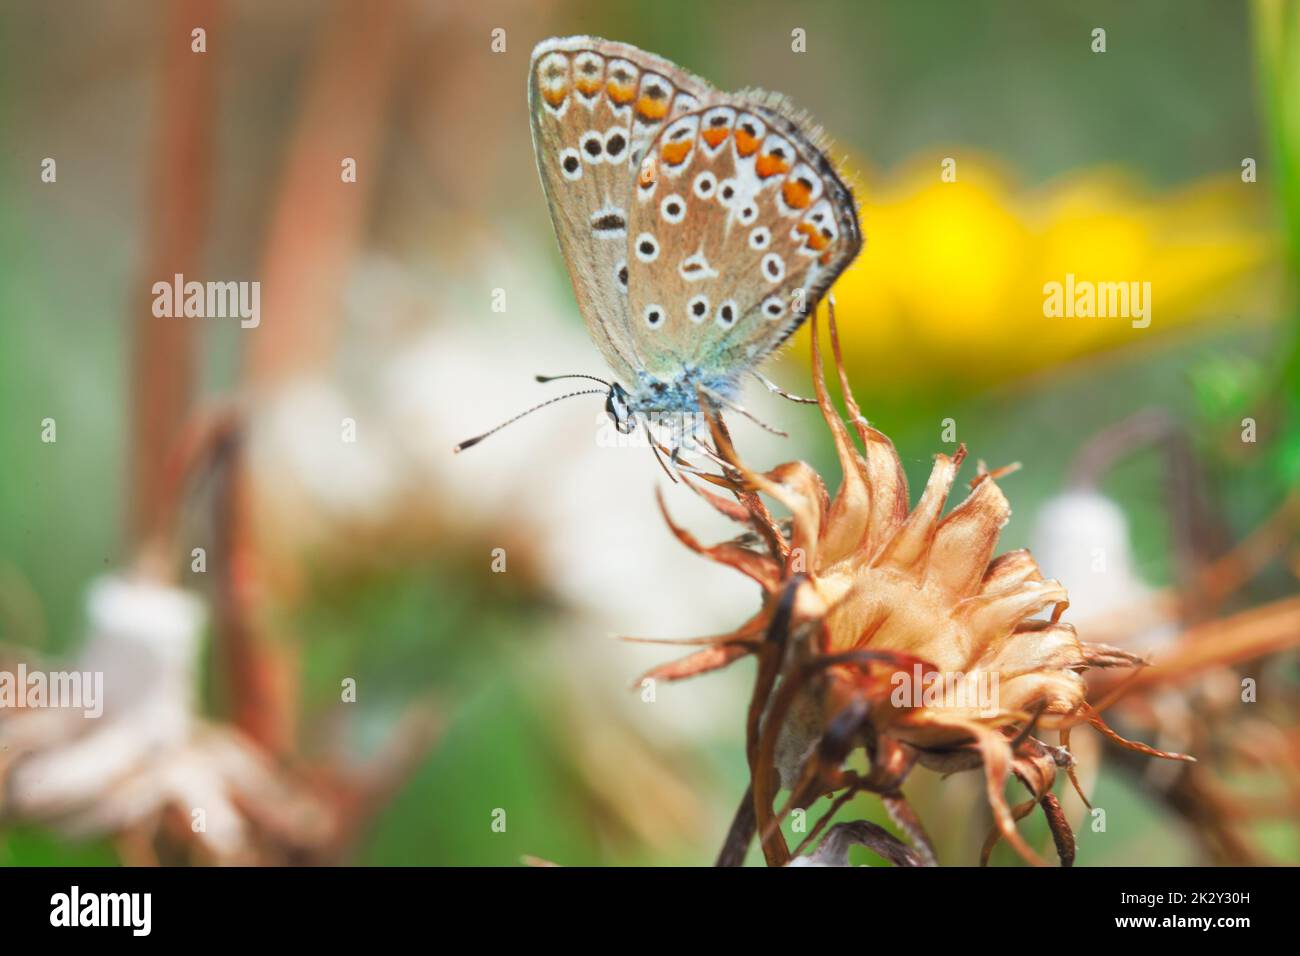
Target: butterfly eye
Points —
{"points": [[698, 308], [727, 314], [617, 408], [654, 316], [571, 164], [705, 184], [760, 237], [773, 267], [647, 247], [673, 209]]}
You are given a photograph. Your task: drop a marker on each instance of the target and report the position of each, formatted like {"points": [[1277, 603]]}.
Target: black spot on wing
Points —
{"points": [[608, 222]]}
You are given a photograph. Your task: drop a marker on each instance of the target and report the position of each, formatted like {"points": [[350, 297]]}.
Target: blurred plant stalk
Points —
{"points": [[163, 359], [315, 232], [1277, 50], [1277, 54]]}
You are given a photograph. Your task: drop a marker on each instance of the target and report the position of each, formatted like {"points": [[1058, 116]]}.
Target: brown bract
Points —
{"points": [[862, 595]]}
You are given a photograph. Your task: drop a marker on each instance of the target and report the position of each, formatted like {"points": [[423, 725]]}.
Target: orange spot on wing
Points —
{"points": [[746, 145], [588, 86], [554, 94], [674, 154], [770, 166], [815, 240], [621, 93], [650, 109], [796, 194], [715, 135]]}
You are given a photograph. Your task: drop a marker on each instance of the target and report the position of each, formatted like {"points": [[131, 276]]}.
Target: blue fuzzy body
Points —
{"points": [[681, 394]]}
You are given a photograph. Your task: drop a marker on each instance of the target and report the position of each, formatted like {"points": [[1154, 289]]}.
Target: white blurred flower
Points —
{"points": [[1083, 537], [148, 759]]}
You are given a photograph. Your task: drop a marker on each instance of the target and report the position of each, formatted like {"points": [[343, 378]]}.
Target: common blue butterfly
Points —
{"points": [[700, 228]]}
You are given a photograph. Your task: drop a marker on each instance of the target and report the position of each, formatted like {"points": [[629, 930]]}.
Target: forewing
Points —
{"points": [[596, 105]]}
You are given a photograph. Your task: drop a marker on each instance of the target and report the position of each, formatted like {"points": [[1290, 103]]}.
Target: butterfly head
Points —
{"points": [[619, 409]]}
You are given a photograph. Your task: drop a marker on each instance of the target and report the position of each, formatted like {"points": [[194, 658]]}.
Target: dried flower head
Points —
{"points": [[893, 629]]}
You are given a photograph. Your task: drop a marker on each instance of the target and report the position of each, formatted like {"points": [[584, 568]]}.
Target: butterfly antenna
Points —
{"points": [[471, 442], [552, 378]]}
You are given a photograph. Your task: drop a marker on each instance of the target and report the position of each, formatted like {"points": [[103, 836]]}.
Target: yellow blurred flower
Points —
{"points": [[950, 287]]}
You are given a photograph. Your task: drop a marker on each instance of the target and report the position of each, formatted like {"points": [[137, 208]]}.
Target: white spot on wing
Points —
{"points": [[609, 222], [615, 145], [705, 184], [647, 247], [592, 146], [672, 208], [696, 267], [728, 312], [569, 157], [697, 310], [773, 308]]}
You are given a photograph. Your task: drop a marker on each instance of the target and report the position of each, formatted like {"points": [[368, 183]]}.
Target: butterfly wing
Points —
{"points": [[738, 227], [596, 105]]}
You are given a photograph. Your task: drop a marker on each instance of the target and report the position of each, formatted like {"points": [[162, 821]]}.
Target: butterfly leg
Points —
{"points": [[659, 455], [712, 455], [739, 410], [728, 479], [678, 464], [682, 464]]}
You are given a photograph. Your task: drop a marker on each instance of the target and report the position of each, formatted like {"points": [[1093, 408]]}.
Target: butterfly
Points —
{"points": [[700, 228]]}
